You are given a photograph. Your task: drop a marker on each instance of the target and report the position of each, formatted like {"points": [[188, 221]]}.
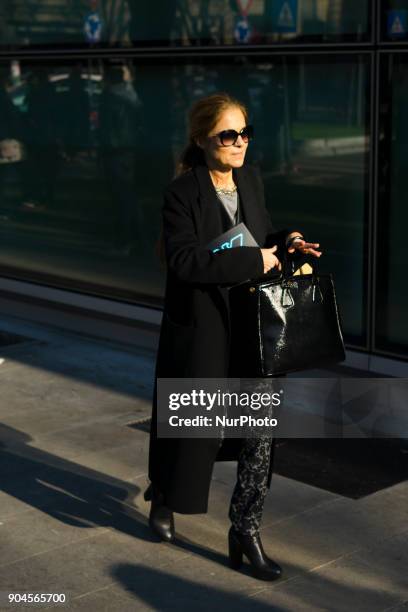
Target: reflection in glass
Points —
{"points": [[313, 146], [181, 22], [392, 293], [86, 151], [121, 145], [394, 22]]}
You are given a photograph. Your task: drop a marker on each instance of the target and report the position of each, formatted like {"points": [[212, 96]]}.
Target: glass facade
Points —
{"points": [[135, 23], [90, 137], [392, 293]]}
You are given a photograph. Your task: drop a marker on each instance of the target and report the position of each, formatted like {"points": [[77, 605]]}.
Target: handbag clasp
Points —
{"points": [[287, 299]]}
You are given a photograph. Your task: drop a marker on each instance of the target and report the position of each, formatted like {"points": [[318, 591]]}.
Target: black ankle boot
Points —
{"points": [[251, 546], [161, 518]]}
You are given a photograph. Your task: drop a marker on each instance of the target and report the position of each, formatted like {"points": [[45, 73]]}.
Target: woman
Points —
{"points": [[211, 192]]}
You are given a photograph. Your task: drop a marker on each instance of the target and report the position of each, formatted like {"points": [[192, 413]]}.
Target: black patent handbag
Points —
{"points": [[282, 323]]}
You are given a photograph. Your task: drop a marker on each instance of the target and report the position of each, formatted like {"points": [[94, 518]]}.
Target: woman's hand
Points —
{"points": [[304, 247], [270, 260]]}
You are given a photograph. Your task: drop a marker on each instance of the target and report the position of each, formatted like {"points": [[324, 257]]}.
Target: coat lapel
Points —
{"points": [[210, 210], [210, 206], [249, 203]]}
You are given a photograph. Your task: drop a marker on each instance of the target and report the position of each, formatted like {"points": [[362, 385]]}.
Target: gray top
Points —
{"points": [[230, 203]]}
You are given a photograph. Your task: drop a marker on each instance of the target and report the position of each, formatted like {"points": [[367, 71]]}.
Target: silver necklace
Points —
{"points": [[226, 191]]}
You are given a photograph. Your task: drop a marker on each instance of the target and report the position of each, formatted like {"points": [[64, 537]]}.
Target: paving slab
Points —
{"points": [[399, 608], [325, 533], [106, 599], [125, 462], [36, 478], [353, 582], [73, 518], [90, 560]]}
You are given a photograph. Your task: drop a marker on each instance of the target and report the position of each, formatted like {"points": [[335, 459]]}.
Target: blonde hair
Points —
{"points": [[202, 117]]}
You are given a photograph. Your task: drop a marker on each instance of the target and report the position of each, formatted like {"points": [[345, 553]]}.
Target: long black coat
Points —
{"points": [[195, 332]]}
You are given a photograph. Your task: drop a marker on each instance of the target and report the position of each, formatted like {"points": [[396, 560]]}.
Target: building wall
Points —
{"points": [[93, 105]]}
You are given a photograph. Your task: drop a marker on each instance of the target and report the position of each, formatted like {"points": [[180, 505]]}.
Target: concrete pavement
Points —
{"points": [[73, 519]]}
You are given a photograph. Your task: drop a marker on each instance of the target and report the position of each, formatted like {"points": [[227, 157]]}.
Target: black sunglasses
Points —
{"points": [[230, 137]]}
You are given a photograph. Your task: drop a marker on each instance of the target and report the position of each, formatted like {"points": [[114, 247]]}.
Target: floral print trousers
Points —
{"points": [[247, 501]]}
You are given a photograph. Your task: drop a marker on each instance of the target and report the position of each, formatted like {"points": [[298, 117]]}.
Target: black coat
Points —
{"points": [[195, 333]]}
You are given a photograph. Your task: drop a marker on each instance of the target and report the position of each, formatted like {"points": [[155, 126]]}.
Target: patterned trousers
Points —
{"points": [[247, 501]]}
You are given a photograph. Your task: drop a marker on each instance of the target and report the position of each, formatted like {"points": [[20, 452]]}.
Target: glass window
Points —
{"points": [[127, 23], [312, 143], [86, 150], [392, 292], [394, 21]]}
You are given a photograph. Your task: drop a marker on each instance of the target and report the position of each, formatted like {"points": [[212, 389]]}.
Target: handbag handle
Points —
{"points": [[287, 273], [288, 267]]}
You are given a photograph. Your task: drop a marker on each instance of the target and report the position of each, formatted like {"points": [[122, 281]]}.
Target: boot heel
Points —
{"points": [[161, 519], [261, 566], [148, 493], [234, 552]]}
